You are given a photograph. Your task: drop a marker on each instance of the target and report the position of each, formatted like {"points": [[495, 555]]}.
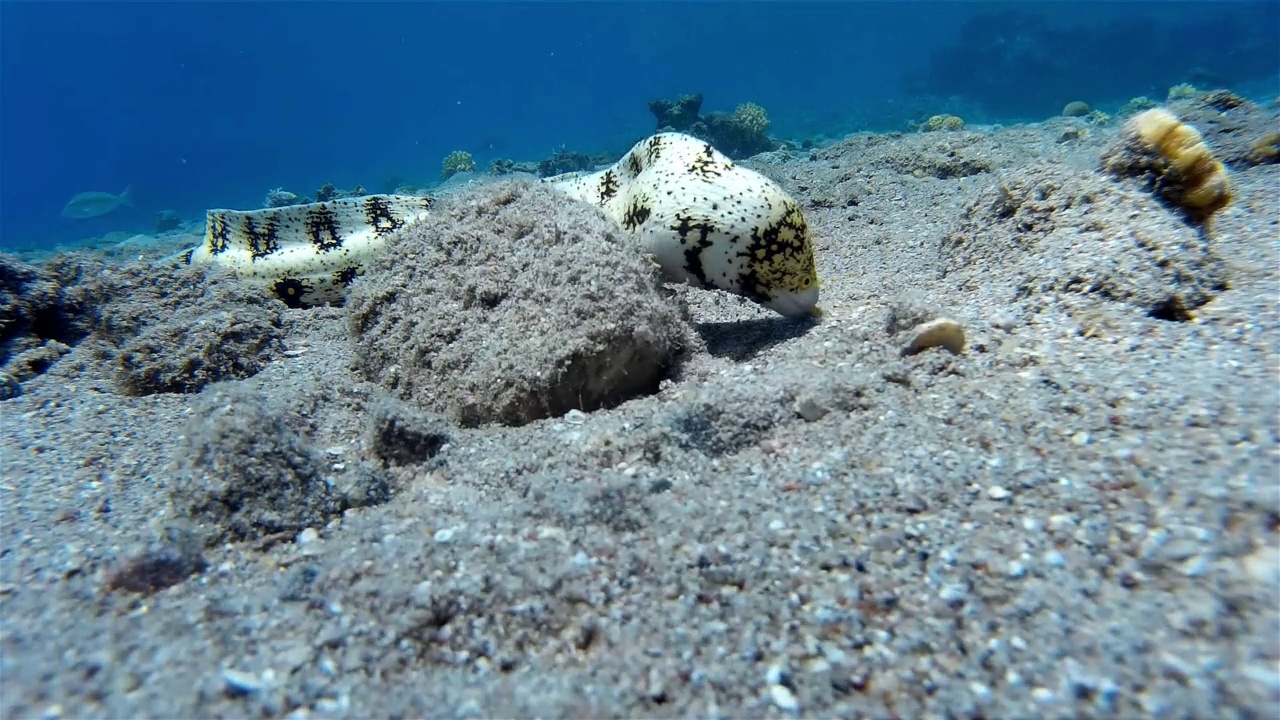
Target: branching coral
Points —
{"points": [[456, 162], [751, 118], [943, 122]]}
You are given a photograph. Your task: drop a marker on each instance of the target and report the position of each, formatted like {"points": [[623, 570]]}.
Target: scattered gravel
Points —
{"points": [[1076, 515]]}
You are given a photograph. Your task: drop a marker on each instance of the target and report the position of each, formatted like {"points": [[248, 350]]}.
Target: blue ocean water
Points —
{"points": [[210, 104]]}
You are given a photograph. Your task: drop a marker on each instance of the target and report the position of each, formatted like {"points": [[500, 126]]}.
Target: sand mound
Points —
{"points": [[1049, 229], [514, 304]]}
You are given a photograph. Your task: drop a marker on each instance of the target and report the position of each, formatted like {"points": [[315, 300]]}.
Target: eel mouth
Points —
{"points": [[795, 304]]}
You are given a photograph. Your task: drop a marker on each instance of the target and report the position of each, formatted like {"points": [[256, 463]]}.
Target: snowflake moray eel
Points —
{"points": [[708, 222]]}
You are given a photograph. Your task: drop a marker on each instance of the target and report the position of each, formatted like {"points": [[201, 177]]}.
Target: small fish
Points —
{"points": [[92, 204]]}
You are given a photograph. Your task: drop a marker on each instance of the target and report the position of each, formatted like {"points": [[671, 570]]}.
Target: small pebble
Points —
{"points": [[575, 417], [1003, 320], [444, 535], [943, 332], [308, 536], [239, 682], [981, 692], [953, 595], [995, 492], [1044, 695], [811, 410], [1017, 570], [422, 593], [784, 698]]}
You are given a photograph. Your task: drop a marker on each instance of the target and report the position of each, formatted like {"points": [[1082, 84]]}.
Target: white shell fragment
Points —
{"points": [[942, 332]]}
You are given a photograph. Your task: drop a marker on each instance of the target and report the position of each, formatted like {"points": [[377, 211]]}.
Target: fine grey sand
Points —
{"points": [[216, 506]]}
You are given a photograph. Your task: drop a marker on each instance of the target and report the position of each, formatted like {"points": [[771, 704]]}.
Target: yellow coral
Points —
{"points": [[456, 162], [1136, 105], [752, 118], [1097, 117], [944, 122], [1182, 91]]}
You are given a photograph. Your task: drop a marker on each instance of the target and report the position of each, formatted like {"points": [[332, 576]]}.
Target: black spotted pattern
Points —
{"points": [[779, 256], [653, 150], [346, 276], [695, 236], [608, 186], [291, 291], [322, 228], [636, 215], [264, 238], [633, 165], [219, 233], [705, 164], [377, 213]]}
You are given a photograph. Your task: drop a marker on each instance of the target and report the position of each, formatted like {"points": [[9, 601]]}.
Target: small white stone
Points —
{"points": [[307, 536], [444, 535], [1004, 320], [422, 593], [784, 698], [575, 417], [1017, 570], [335, 451], [995, 492], [943, 332], [1044, 695], [239, 682], [777, 526], [810, 409], [1080, 438]]}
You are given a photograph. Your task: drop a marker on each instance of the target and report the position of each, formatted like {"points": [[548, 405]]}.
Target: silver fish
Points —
{"points": [[92, 204]]}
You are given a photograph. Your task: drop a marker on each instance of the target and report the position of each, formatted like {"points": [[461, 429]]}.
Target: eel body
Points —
{"points": [[707, 221]]}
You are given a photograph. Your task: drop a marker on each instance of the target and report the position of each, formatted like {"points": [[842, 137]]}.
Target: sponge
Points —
{"points": [[1172, 156]]}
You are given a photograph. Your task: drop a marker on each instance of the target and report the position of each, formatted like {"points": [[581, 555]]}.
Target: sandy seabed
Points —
{"points": [[216, 506]]}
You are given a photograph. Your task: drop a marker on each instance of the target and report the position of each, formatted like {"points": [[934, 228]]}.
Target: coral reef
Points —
{"points": [[1173, 159], [1097, 117], [1047, 59], [1076, 108], [680, 114], [167, 220], [506, 166], [738, 134], [1181, 91], [456, 162], [751, 118], [1136, 105], [564, 160], [941, 123], [279, 197]]}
